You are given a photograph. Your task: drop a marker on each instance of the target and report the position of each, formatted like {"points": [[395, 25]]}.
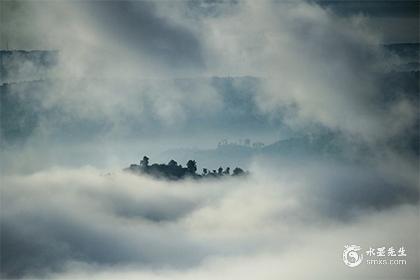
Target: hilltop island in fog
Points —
{"points": [[175, 171]]}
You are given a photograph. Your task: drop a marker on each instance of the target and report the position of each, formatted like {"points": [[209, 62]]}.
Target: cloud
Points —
{"points": [[73, 223], [311, 258], [320, 67], [137, 25], [117, 59], [120, 75]]}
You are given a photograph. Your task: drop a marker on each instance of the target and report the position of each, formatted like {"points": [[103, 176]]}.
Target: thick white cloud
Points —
{"points": [[323, 68], [64, 223], [315, 66]]}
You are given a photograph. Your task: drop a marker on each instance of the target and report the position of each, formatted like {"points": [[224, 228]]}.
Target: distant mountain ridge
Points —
{"points": [[322, 145], [22, 65]]}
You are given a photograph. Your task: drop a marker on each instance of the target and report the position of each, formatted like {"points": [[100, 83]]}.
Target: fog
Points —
{"points": [[318, 83], [77, 223], [148, 70]]}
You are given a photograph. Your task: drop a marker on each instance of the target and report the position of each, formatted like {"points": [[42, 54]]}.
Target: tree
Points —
{"points": [[220, 170], [144, 163], [191, 166], [172, 163], [174, 171], [247, 142], [238, 171]]}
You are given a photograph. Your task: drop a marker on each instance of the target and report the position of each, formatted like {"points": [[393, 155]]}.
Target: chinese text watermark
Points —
{"points": [[353, 255]]}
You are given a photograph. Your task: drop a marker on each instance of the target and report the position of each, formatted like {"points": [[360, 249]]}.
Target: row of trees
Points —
{"points": [[244, 142], [175, 171]]}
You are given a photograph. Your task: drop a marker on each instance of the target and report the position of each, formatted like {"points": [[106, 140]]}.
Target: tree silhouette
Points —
{"points": [[247, 142], [238, 171], [144, 163], [220, 171], [172, 163], [175, 171], [227, 171], [191, 166]]}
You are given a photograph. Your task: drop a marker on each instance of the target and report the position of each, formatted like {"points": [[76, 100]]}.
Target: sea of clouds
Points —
{"points": [[288, 219], [291, 222]]}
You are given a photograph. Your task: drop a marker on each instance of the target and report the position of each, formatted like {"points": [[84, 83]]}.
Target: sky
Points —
{"points": [[121, 79]]}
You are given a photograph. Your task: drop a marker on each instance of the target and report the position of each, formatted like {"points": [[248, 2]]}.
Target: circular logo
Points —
{"points": [[351, 257]]}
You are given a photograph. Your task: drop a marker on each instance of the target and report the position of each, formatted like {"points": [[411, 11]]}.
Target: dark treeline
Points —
{"points": [[175, 171]]}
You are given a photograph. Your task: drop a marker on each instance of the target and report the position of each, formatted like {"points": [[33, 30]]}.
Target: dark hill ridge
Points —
{"points": [[326, 145], [175, 171], [322, 145], [22, 65]]}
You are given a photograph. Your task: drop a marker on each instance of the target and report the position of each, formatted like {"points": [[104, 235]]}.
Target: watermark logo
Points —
{"points": [[351, 255]]}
